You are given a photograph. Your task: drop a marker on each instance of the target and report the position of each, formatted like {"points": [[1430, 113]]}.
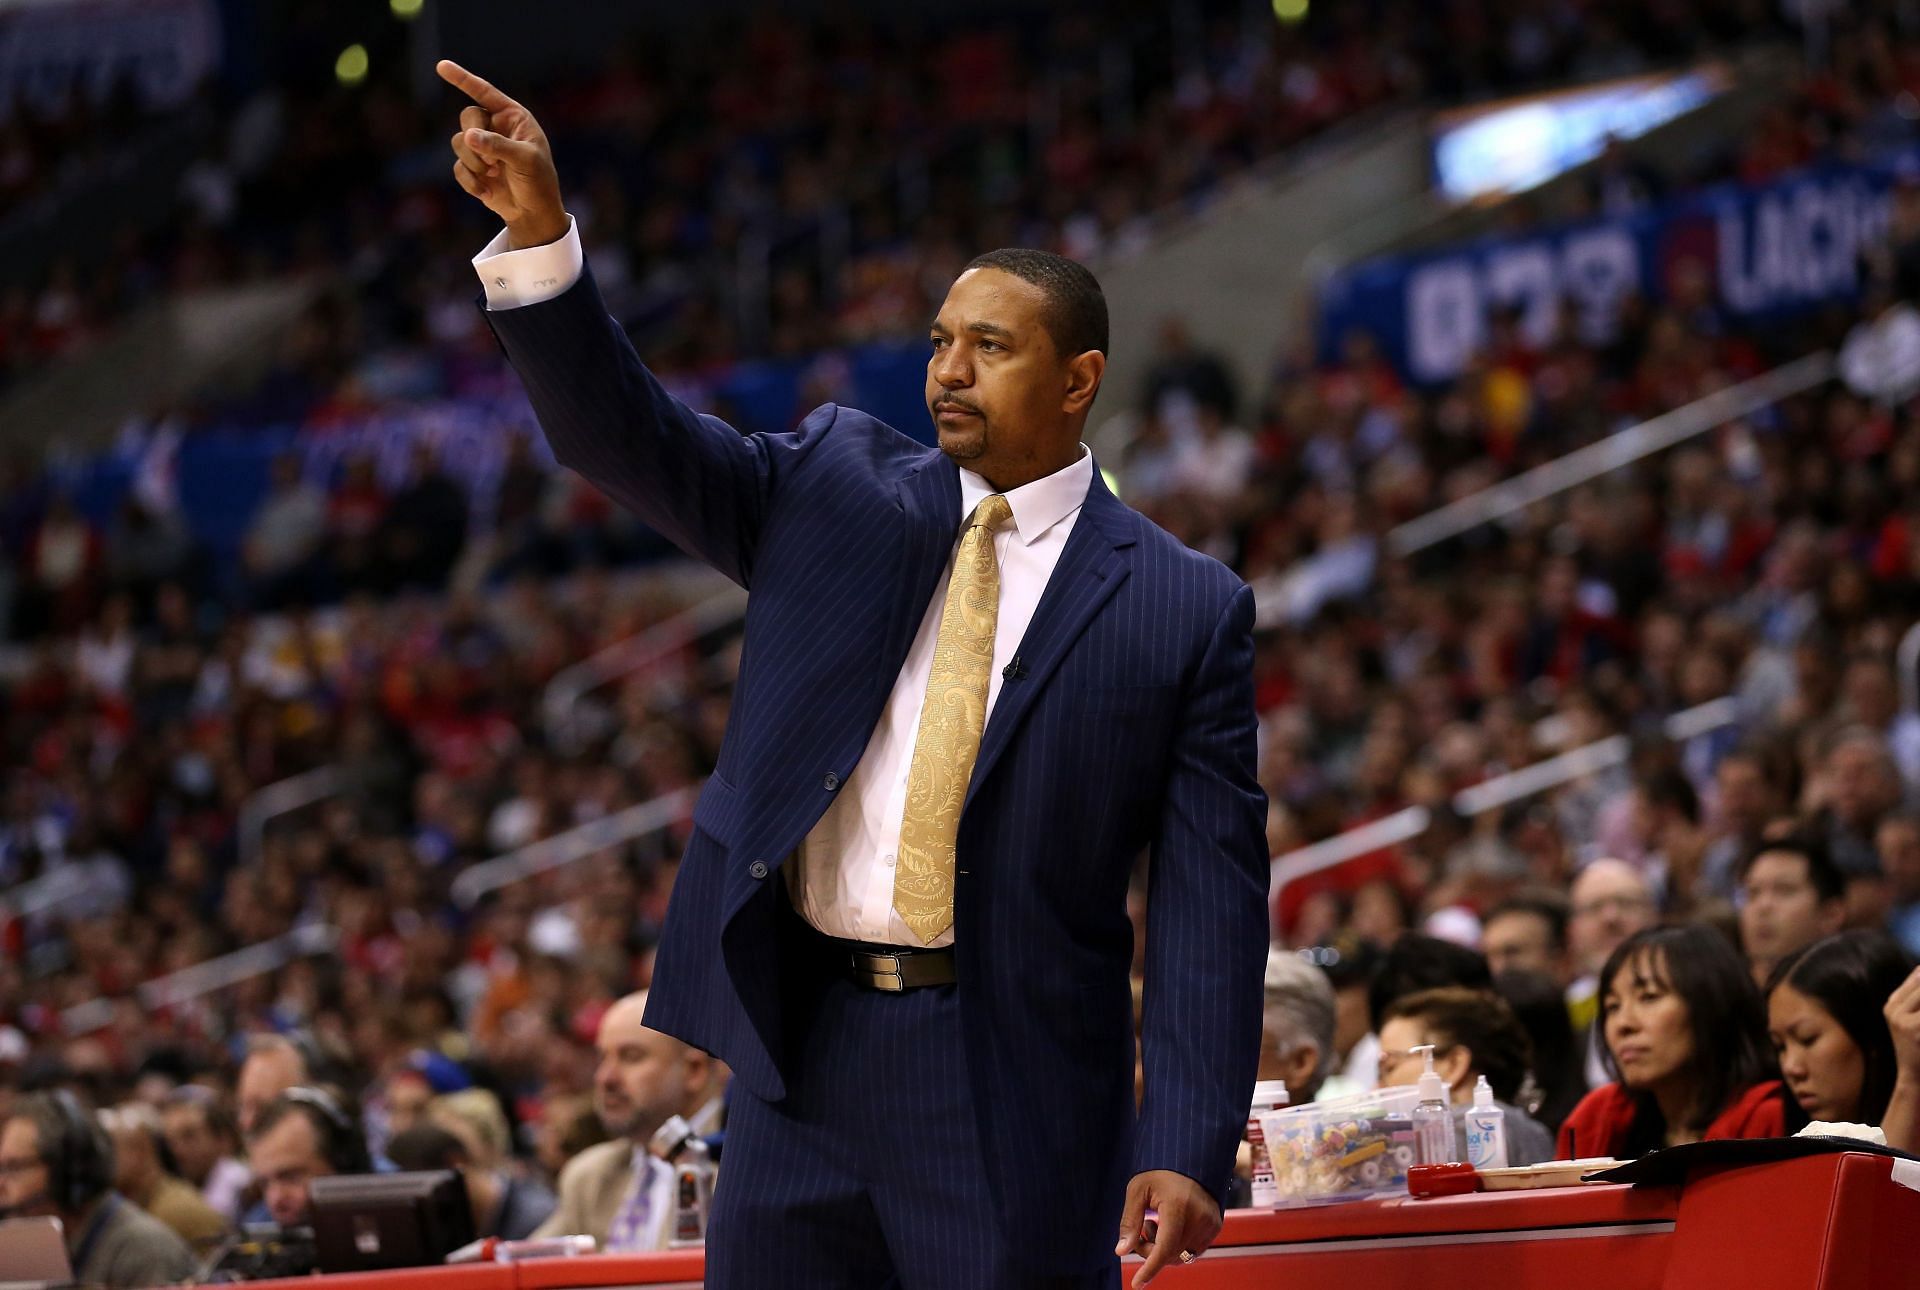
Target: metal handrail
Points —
{"points": [[575, 844], [55, 887], [1387, 831], [279, 798], [1611, 453], [204, 978], [559, 706], [1270, 593], [1492, 794]]}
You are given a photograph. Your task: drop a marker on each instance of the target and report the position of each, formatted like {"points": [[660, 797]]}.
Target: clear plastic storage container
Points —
{"points": [[1345, 1148]]}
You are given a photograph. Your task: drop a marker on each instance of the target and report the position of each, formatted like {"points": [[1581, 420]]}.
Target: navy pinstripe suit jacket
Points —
{"points": [[1134, 727]]}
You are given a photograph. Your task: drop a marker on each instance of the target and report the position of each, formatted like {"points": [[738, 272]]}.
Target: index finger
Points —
{"points": [[477, 88], [1167, 1242]]}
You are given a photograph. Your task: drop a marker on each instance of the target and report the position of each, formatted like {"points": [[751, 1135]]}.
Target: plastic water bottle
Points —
{"points": [[1433, 1142], [1486, 1129]]}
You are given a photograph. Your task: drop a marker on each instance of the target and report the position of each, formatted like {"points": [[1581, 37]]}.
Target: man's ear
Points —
{"points": [[1083, 381], [1300, 1065]]}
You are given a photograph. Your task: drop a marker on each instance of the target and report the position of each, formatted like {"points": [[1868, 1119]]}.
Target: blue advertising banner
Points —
{"points": [[218, 476], [1767, 250]]}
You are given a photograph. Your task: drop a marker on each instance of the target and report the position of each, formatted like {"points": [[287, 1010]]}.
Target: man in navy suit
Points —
{"points": [[974, 687]]}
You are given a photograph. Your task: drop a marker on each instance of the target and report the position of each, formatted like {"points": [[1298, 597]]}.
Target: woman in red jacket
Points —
{"points": [[1686, 1043]]}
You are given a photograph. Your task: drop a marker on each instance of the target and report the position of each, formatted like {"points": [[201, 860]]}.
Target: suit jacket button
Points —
{"points": [[758, 868], [831, 782]]}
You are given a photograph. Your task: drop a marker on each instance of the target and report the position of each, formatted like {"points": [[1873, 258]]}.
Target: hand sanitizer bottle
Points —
{"points": [[1486, 1129], [1433, 1141]]}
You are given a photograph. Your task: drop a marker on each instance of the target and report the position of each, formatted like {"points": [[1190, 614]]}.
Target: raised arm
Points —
{"points": [[695, 479]]}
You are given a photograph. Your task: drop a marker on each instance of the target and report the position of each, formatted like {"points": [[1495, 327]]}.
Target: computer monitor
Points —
{"points": [[370, 1222], [33, 1252]]}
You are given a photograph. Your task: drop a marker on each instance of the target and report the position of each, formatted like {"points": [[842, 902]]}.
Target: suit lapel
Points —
{"points": [[1091, 568], [930, 514]]}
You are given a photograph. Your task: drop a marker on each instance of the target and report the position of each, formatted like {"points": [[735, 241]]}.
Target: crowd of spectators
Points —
{"points": [[869, 157], [1772, 561]]}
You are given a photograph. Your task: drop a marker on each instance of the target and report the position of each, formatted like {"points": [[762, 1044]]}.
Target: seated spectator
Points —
{"points": [[408, 1094], [1746, 796], [1609, 901], [503, 1206], [140, 1174], [274, 1064], [205, 1148], [56, 1161], [422, 533], [473, 1115], [1826, 1015], [1684, 1038], [1356, 1051], [1527, 934], [303, 1134], [285, 537], [1862, 784], [1792, 896], [1417, 962], [619, 1192], [1898, 841], [1473, 1033], [1559, 1054], [569, 1126], [1296, 1030]]}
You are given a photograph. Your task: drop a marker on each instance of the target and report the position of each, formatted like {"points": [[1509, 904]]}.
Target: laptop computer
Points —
{"points": [[33, 1253]]}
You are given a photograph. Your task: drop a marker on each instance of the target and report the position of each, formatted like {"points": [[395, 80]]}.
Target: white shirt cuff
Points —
{"points": [[530, 276]]}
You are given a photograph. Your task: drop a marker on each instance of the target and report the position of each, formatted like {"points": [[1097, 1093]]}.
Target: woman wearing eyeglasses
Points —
{"points": [[1473, 1033]]}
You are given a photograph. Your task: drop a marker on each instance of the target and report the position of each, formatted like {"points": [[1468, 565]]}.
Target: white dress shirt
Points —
{"points": [[841, 880]]}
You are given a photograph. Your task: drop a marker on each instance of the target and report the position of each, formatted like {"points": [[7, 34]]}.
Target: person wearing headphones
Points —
{"points": [[302, 1134], [56, 1161], [143, 1172]]}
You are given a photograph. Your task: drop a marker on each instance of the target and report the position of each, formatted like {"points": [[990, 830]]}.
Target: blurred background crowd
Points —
{"points": [[386, 624]]}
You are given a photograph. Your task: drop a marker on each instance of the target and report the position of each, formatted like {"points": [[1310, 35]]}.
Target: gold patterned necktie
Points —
{"points": [[951, 722]]}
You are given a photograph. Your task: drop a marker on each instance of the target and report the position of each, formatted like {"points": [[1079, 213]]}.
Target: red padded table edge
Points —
{"points": [[670, 1268], [1591, 1205], [475, 1276]]}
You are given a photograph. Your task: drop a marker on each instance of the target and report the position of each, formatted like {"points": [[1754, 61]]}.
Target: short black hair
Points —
{"points": [[426, 1147], [1851, 975], [1076, 314], [1828, 882], [1418, 962], [1668, 787], [1549, 909], [1729, 1021]]}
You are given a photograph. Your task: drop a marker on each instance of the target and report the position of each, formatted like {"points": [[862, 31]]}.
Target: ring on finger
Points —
{"points": [[1186, 1256]]}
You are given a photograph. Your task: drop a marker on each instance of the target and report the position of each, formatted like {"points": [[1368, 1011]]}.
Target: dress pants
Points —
{"points": [[868, 1176]]}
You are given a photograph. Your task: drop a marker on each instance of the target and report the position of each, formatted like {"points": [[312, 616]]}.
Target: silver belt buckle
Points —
{"points": [[882, 970]]}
